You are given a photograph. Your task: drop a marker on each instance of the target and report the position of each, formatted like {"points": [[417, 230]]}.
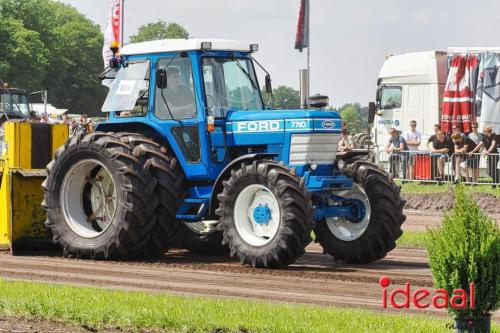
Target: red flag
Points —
{"points": [[302, 37], [113, 29], [458, 96]]}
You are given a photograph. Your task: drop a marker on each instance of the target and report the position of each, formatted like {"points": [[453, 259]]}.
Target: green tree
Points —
{"points": [[159, 30], [21, 48], [355, 117], [284, 97], [64, 50]]}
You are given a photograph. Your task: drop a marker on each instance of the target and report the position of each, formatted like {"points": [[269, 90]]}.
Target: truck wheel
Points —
{"points": [[99, 199], [266, 214], [169, 190], [191, 237], [374, 233]]}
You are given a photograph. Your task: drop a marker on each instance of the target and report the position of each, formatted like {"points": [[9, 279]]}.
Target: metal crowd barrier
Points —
{"points": [[423, 166]]}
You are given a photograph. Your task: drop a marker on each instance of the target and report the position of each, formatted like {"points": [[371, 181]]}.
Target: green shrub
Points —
{"points": [[467, 249]]}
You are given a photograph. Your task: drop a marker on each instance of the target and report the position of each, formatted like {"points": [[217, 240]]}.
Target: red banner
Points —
{"points": [[458, 96], [302, 37]]}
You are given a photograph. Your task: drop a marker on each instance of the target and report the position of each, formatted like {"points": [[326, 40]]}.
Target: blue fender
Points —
{"points": [[217, 188]]}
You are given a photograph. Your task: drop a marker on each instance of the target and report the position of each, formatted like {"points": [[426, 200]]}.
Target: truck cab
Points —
{"points": [[409, 87]]}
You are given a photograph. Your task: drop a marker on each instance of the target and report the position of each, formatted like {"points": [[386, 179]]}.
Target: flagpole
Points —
{"points": [[308, 52], [122, 14], [308, 70]]}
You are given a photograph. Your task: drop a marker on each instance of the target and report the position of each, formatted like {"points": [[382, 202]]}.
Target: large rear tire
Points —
{"points": [[266, 214], [372, 237], [164, 167], [99, 198]]}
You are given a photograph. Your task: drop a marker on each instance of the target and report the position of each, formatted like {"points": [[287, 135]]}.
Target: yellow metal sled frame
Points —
{"points": [[29, 147]]}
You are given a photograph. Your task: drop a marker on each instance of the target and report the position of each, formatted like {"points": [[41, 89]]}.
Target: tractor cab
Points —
{"points": [[203, 96], [14, 104]]}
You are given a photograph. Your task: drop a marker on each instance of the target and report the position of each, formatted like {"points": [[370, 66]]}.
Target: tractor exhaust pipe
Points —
{"points": [[304, 88]]}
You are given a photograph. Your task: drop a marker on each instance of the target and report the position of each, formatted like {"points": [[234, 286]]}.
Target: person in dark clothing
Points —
{"points": [[441, 149], [491, 153], [474, 157], [432, 138], [463, 146]]}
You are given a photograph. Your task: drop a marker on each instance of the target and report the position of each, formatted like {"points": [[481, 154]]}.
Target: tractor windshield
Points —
{"points": [[14, 104], [129, 92], [230, 84]]}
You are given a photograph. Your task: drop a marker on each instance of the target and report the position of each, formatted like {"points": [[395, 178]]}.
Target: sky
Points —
{"points": [[349, 39]]}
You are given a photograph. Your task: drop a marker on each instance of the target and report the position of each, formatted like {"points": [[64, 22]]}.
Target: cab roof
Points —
{"points": [[175, 45]]}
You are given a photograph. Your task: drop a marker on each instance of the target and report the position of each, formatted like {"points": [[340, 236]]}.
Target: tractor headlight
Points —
{"points": [[341, 164]]}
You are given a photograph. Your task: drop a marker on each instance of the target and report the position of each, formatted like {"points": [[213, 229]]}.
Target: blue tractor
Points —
{"points": [[190, 154]]}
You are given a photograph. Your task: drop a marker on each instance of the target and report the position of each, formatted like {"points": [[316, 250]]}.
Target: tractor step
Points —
{"points": [[192, 210]]}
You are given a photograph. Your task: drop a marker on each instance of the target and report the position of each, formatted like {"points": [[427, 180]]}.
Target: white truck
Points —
{"points": [[410, 87]]}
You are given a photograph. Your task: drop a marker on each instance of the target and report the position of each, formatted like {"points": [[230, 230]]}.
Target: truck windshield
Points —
{"points": [[230, 84], [14, 104], [129, 93], [391, 98]]}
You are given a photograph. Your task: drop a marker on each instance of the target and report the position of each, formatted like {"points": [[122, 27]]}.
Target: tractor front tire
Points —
{"points": [[384, 221], [266, 214], [99, 198]]}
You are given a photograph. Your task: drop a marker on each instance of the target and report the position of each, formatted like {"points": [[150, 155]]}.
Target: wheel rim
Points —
{"points": [[88, 199], [257, 215], [345, 229]]}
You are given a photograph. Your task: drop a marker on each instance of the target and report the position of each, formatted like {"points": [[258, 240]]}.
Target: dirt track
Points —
{"points": [[314, 279]]}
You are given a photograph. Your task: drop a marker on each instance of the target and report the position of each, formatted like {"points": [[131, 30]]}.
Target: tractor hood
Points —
{"points": [[265, 127]]}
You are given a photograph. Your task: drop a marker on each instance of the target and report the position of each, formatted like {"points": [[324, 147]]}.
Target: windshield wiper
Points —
{"points": [[254, 85]]}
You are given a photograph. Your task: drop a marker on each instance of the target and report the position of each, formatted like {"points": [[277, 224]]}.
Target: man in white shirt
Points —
{"points": [[413, 140]]}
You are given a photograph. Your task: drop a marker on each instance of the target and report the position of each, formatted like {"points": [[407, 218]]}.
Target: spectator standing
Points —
{"points": [[65, 120], [45, 118], [491, 153], [432, 138], [456, 130], [73, 128], [441, 148], [346, 142], [474, 156], [395, 146], [413, 140], [463, 146], [82, 125]]}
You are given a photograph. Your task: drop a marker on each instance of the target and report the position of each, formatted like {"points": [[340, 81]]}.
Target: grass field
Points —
{"points": [[416, 187], [99, 308], [412, 240]]}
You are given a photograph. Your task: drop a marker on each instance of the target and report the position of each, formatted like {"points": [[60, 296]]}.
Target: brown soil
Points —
{"points": [[442, 202], [314, 279], [14, 324]]}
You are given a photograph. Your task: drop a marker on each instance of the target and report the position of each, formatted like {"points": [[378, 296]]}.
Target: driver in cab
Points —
{"points": [[180, 99]]}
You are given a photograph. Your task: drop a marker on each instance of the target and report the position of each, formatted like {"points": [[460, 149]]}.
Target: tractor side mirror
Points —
{"points": [[269, 86], [161, 79], [372, 109]]}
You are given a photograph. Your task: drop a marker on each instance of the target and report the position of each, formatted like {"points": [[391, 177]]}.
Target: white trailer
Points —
{"points": [[411, 87]]}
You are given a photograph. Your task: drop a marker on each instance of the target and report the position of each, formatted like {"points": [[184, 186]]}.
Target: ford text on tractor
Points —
{"points": [[190, 152]]}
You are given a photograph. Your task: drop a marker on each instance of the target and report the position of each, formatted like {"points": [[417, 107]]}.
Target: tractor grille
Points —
{"points": [[318, 148]]}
